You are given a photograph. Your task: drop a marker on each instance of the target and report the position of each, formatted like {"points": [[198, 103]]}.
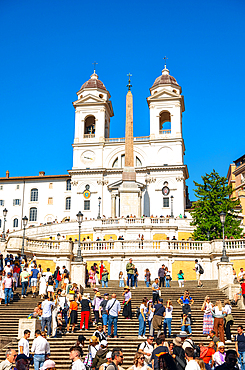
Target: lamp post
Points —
{"points": [[99, 199], [208, 234], [224, 257], [172, 206], [79, 254], [5, 211], [25, 220]]}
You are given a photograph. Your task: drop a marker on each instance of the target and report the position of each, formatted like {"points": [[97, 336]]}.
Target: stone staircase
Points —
{"points": [[127, 329]]}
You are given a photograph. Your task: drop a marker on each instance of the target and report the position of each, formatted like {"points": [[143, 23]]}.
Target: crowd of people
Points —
{"points": [[58, 312]]}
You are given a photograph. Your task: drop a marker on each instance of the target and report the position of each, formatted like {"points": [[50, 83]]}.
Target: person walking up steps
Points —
{"points": [[113, 309], [199, 271], [130, 272]]}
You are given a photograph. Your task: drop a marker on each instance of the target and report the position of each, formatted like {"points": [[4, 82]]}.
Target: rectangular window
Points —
{"points": [[1, 187], [16, 202], [68, 185], [17, 187], [165, 202], [50, 200], [50, 185], [1, 202], [68, 203], [86, 205]]}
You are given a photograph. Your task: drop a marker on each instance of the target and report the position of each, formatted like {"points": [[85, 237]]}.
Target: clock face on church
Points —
{"points": [[88, 157]]}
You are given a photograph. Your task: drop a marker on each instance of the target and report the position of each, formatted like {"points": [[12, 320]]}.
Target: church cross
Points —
{"points": [[94, 63], [165, 58], [129, 81]]}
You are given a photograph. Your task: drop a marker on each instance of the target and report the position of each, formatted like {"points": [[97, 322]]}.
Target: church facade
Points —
{"points": [[92, 186]]}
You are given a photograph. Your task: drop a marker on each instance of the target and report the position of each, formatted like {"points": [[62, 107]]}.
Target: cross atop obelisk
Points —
{"points": [[129, 136]]}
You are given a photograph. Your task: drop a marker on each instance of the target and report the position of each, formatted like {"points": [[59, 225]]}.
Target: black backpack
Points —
{"points": [[50, 280], [201, 270], [138, 347], [137, 312], [196, 348]]}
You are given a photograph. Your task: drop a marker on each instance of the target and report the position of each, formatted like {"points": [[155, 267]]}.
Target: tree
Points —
{"points": [[214, 196]]}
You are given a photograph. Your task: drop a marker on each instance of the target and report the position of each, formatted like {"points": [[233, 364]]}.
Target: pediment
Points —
{"points": [[163, 94], [89, 99]]}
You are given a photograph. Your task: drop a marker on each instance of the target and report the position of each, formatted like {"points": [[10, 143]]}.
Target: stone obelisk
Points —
{"points": [[129, 190]]}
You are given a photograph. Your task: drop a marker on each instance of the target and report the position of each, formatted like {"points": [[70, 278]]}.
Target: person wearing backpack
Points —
{"points": [[146, 348], [199, 271], [50, 285]]}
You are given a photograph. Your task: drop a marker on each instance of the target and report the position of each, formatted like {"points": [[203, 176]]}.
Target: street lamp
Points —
{"points": [[208, 234], [79, 254], [172, 206], [25, 220], [58, 236], [99, 199], [5, 211], [224, 257]]}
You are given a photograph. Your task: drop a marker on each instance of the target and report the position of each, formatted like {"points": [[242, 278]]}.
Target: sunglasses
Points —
{"points": [[120, 356], [142, 358]]}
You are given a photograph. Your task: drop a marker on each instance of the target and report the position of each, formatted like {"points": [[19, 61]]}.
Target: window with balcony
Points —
{"points": [[34, 195], [33, 214], [165, 202], [165, 123]]}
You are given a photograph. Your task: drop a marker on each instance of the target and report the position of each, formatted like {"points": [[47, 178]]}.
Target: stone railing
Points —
{"points": [[88, 136], [122, 139], [235, 244], [165, 132]]}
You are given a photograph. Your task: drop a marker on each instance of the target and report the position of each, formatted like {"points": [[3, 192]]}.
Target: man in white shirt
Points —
{"points": [[241, 275], [191, 363], [23, 344], [75, 355], [47, 314], [113, 309], [41, 349], [146, 348], [8, 268]]}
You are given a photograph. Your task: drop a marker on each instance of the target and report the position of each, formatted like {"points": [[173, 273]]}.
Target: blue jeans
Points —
{"points": [[112, 320], [241, 360], [136, 282], [167, 285], [8, 294], [24, 285], [147, 285], [121, 284], [56, 284], [104, 284], [47, 321], [142, 325], [130, 277], [167, 323], [64, 315], [38, 361], [183, 328]]}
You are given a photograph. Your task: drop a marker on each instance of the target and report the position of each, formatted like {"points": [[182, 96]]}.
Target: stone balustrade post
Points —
{"points": [[225, 274]]}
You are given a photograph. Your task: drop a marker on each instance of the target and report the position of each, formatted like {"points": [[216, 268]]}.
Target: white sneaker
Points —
{"points": [[140, 337], [144, 337], [228, 341], [133, 287]]}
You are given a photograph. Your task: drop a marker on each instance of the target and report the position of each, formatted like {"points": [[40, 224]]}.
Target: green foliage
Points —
{"points": [[214, 196]]}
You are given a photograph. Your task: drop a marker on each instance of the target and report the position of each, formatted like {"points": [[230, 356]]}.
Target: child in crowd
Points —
{"points": [[121, 280]]}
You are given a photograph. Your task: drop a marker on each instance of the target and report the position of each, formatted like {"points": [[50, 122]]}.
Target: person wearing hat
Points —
{"points": [[94, 346], [99, 333], [48, 365], [8, 268], [80, 341], [108, 361], [100, 356], [179, 354], [102, 311], [130, 272], [8, 283], [219, 356], [96, 304], [75, 355], [127, 309]]}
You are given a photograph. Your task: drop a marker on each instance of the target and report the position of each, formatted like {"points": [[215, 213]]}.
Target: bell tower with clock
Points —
{"points": [[93, 110]]}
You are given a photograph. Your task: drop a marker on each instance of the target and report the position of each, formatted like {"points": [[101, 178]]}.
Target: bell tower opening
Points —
{"points": [[165, 123], [89, 127]]}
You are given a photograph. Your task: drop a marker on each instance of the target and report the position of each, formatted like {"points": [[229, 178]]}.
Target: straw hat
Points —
{"points": [[177, 341], [94, 339], [98, 294], [126, 287], [183, 334]]}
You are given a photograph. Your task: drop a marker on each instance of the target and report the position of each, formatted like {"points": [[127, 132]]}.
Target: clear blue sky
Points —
{"points": [[46, 54]]}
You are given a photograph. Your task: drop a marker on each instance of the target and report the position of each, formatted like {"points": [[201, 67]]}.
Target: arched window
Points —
{"points": [[68, 184], [15, 222], [68, 203], [138, 162], [165, 122], [115, 163], [89, 126], [33, 214], [34, 195]]}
